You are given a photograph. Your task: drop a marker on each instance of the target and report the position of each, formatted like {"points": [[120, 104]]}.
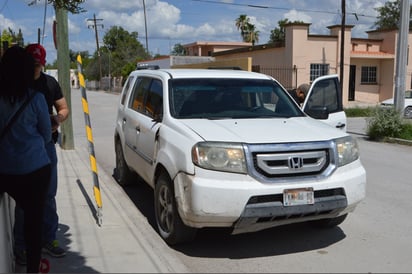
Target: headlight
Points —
{"points": [[227, 157], [348, 150]]}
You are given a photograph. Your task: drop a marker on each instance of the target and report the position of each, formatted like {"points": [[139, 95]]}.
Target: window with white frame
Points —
{"points": [[317, 70], [368, 75]]}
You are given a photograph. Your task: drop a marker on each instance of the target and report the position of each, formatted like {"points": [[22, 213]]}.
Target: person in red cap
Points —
{"points": [[59, 111]]}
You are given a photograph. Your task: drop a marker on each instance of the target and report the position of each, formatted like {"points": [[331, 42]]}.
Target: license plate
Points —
{"points": [[300, 196]]}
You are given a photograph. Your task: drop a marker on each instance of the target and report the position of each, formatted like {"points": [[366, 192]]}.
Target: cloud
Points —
{"points": [[294, 15], [7, 23]]}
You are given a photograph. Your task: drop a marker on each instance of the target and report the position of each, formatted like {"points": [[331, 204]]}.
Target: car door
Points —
{"points": [[150, 121], [132, 120], [324, 102], [141, 122]]}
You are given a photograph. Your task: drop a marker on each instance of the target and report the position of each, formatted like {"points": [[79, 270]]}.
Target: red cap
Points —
{"points": [[38, 53]]}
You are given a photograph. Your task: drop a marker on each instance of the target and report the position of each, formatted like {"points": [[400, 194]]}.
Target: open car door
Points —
{"points": [[324, 101]]}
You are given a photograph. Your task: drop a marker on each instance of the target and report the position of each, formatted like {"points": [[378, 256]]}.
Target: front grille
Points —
{"points": [[272, 162], [290, 164]]}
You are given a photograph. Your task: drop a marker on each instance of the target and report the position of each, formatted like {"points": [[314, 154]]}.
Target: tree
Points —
{"points": [[12, 38], [241, 23], [6, 37], [178, 50], [121, 51], [278, 34], [72, 6], [389, 16], [251, 34], [247, 30]]}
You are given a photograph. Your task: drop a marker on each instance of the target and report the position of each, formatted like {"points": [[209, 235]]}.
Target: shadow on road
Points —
{"points": [[219, 243]]}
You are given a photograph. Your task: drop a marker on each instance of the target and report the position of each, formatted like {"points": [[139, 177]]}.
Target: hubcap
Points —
{"points": [[165, 210]]}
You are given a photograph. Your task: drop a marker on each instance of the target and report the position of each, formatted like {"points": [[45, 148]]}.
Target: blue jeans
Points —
{"points": [[50, 217]]}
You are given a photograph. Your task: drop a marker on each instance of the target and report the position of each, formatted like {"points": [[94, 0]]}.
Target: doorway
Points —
{"points": [[352, 81]]}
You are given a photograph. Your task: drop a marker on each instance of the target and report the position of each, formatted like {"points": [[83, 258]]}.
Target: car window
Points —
{"points": [[154, 101], [229, 98], [137, 97], [325, 93], [126, 89]]}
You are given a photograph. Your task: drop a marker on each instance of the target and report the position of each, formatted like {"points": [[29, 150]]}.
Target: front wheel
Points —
{"points": [[123, 174], [329, 223], [170, 226]]}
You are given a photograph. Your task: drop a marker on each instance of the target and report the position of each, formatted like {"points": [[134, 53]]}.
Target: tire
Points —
{"points": [[408, 112], [122, 174], [329, 223], [169, 224]]}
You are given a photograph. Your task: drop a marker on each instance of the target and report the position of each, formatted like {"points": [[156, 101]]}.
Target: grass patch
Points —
{"points": [[406, 131], [359, 111]]}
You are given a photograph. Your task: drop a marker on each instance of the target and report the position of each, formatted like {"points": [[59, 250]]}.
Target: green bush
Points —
{"points": [[384, 122]]}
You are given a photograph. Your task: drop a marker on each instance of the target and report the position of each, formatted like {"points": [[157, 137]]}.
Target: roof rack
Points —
{"points": [[146, 66], [233, 68]]}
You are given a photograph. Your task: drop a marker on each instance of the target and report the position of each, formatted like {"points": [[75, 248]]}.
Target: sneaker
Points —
{"points": [[20, 256], [53, 249]]}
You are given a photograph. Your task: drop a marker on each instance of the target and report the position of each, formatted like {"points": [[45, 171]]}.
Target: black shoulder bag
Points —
{"points": [[16, 115]]}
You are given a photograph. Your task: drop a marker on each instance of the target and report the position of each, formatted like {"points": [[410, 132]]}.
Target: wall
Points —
{"points": [[243, 63], [6, 234]]}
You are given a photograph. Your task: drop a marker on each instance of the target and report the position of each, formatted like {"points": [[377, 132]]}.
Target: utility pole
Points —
{"points": [[145, 26], [97, 40], [401, 53], [63, 66], [342, 44]]}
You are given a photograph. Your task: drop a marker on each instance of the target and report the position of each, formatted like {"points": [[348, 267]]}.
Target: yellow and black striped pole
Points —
{"points": [[96, 188]]}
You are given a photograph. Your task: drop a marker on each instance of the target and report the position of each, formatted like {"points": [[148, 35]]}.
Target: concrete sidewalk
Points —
{"points": [[125, 241]]}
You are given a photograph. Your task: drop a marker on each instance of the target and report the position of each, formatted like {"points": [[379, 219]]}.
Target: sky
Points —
{"points": [[171, 22]]}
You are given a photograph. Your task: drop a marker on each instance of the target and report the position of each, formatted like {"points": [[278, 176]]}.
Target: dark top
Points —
{"points": [[49, 86], [52, 91]]}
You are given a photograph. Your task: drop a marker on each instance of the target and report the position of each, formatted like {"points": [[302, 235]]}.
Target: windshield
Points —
{"points": [[229, 98]]}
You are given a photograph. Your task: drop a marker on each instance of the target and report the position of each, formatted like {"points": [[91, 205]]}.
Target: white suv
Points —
{"points": [[225, 148]]}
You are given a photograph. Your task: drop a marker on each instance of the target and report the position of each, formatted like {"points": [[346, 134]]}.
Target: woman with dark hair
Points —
{"points": [[25, 129]]}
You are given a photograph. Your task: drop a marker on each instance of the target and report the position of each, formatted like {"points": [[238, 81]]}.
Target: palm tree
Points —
{"points": [[241, 24], [252, 35]]}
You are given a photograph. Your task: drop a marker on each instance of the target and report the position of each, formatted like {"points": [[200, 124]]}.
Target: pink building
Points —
{"points": [[369, 63]]}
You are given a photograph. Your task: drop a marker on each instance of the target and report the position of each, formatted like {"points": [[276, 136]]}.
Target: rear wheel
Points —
{"points": [[170, 226], [122, 174], [329, 223]]}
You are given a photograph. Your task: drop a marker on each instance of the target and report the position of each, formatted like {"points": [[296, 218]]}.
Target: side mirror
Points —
{"points": [[318, 112]]}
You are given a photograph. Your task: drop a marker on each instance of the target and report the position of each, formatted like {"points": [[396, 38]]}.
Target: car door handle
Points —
{"points": [[137, 128], [340, 125]]}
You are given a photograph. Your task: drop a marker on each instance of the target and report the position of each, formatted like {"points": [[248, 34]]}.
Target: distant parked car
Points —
{"points": [[408, 104]]}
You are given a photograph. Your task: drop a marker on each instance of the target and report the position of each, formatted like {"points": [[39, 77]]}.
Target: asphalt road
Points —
{"points": [[377, 237]]}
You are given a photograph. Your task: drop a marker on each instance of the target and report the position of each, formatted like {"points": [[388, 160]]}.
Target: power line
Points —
{"points": [[281, 8]]}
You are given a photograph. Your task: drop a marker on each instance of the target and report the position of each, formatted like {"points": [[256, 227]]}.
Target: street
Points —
{"points": [[376, 237]]}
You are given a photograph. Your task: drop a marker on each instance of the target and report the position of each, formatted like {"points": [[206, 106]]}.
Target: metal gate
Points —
{"points": [[287, 76]]}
